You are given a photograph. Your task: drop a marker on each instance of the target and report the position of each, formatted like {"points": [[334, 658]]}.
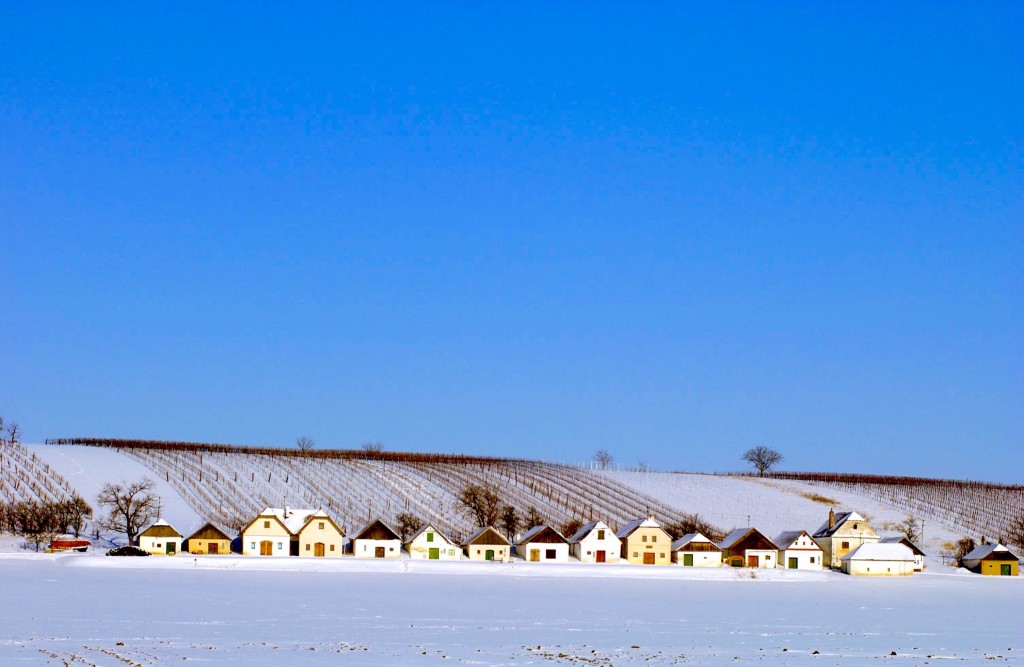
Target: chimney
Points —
{"points": [[831, 519], [287, 512]]}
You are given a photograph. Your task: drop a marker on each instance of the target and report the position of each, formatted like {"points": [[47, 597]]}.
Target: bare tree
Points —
{"points": [[533, 518], [570, 527], [373, 446], [3, 440], [693, 523], [406, 524], [481, 502], [74, 512], [304, 443], [510, 521], [964, 546], [603, 458], [911, 528], [13, 433], [762, 458], [641, 466], [129, 506]]}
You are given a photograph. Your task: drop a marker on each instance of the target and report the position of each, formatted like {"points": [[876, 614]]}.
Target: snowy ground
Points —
{"points": [[82, 609]]}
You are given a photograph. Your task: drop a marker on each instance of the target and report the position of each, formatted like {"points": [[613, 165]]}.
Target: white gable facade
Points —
{"points": [[595, 543], [799, 551], [430, 544], [543, 545], [696, 550]]}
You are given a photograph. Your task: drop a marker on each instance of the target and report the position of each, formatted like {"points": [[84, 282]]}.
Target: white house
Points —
{"points": [[543, 544], [799, 551], [377, 540], [918, 553], [275, 531], [160, 538], [696, 550], [431, 544], [595, 542], [873, 559], [748, 547], [487, 544]]}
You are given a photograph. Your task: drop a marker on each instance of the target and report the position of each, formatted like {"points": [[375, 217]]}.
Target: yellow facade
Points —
{"points": [[269, 529], [321, 538], [995, 567], [218, 547], [647, 545]]}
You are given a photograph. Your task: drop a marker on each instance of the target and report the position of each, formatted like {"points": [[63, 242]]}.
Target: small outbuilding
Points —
{"points": [[799, 551], [487, 544], [902, 539], [696, 550], [160, 539], [992, 559], [874, 559], [645, 542], [748, 547], [377, 540], [429, 543], [68, 543], [543, 544], [595, 542], [209, 540]]}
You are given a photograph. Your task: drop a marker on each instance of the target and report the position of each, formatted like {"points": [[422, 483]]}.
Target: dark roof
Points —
{"points": [[543, 535], [689, 542], [841, 518], [486, 536], [785, 540], [902, 539], [160, 529], [747, 538], [632, 526], [209, 532], [990, 552], [377, 530]]}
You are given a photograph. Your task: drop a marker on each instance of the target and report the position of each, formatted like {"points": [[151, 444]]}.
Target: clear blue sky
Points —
{"points": [[521, 230]]}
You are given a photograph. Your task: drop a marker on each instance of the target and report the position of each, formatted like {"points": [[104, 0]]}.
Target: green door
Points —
{"points": [[435, 553], [489, 554], [171, 547], [792, 564], [688, 560], [1005, 571]]}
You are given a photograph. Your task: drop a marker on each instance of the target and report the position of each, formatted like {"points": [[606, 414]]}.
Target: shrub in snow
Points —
{"points": [[127, 550]]}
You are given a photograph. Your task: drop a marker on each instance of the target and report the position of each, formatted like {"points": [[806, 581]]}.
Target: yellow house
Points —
{"points": [[208, 540], [285, 531], [645, 542], [320, 537], [842, 534], [992, 559]]}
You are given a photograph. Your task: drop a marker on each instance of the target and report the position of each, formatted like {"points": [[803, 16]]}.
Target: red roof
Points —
{"points": [[70, 544]]}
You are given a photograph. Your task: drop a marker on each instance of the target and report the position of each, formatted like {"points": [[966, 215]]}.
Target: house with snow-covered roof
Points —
{"points": [[841, 534], [799, 551], [286, 531], [160, 539], [645, 542], [992, 559], [487, 544], [267, 534], [696, 550], [902, 539], [431, 544], [595, 542], [543, 544], [873, 559], [319, 536], [208, 540], [748, 547], [376, 540]]}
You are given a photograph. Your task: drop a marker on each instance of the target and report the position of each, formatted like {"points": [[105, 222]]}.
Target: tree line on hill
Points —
{"points": [[42, 521]]}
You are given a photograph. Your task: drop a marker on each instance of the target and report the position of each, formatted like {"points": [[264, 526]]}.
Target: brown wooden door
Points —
{"points": [[599, 557], [378, 552], [318, 550], [751, 561], [212, 548], [534, 555], [266, 548], [648, 558]]}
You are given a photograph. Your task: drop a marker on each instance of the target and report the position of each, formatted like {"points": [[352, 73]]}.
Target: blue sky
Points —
{"points": [[533, 231]]}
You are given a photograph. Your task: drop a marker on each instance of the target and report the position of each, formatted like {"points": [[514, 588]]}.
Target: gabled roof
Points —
{"points": [[691, 538], [990, 550], [377, 530], [841, 518], [632, 526], [879, 551], [267, 514], [542, 534], [786, 539], [293, 519], [587, 529], [486, 535], [209, 532], [740, 535], [424, 528], [322, 516], [902, 539], [160, 528]]}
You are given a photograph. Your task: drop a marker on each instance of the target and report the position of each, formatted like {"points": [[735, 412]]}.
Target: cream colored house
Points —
{"points": [[748, 547], [992, 559], [209, 540], [275, 532], [645, 542], [798, 551], [918, 552], [872, 559], [842, 534], [696, 550], [595, 542], [320, 537], [543, 544], [377, 540], [160, 539], [487, 544], [431, 544]]}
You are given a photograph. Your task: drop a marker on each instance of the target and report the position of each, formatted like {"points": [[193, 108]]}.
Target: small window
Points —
{"points": [[654, 538], [391, 549], [812, 560], [846, 545], [266, 524], [635, 554], [307, 547], [332, 547], [279, 545], [855, 526], [643, 538], [252, 545], [549, 554], [430, 537], [600, 534], [321, 525]]}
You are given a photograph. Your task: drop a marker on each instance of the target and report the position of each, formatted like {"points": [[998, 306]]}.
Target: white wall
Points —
{"points": [[367, 548], [806, 559], [281, 546], [420, 547], [700, 558], [560, 555], [158, 545]]}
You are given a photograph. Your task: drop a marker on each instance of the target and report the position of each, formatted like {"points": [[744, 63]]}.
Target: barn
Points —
{"points": [[377, 540], [208, 540], [487, 544], [748, 547], [696, 550], [543, 544]]}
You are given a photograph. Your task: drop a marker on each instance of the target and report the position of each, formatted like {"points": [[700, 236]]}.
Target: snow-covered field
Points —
{"points": [[83, 609]]}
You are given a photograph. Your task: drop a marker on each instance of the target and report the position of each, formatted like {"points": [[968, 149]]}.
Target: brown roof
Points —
{"points": [[160, 529], [209, 532], [265, 517], [377, 530], [320, 516], [486, 536], [542, 535]]}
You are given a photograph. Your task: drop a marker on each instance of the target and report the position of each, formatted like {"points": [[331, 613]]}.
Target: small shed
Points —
{"points": [[543, 544], [429, 543], [209, 540], [69, 544], [595, 542], [874, 559], [918, 553], [645, 542], [377, 540], [487, 544], [799, 551], [160, 539], [696, 550], [992, 559], [748, 547]]}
